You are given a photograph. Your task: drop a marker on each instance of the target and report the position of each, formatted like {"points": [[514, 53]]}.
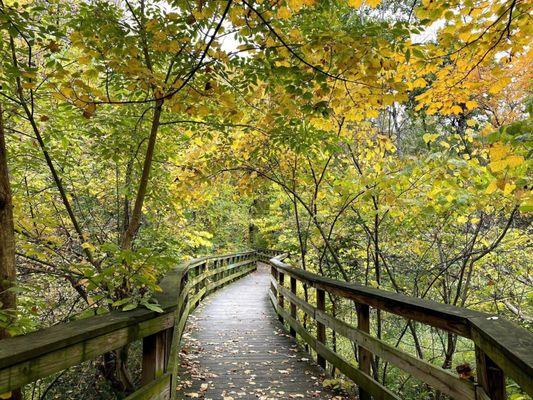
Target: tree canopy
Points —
{"points": [[381, 142]]}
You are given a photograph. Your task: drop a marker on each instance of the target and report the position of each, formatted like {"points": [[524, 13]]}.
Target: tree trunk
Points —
{"points": [[135, 220], [7, 238], [8, 299]]}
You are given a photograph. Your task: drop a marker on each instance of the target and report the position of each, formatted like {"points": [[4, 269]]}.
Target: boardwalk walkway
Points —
{"points": [[237, 349]]}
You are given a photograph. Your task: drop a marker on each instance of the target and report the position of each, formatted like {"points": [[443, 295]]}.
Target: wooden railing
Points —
{"points": [[25, 359], [502, 349]]}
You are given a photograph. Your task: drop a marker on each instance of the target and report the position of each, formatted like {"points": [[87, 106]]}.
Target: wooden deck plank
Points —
{"points": [[236, 348]]}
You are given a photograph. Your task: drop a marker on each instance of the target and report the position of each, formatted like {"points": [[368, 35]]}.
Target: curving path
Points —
{"points": [[236, 348]]}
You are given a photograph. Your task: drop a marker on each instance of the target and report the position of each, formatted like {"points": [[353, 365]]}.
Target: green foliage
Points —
{"points": [[379, 143]]}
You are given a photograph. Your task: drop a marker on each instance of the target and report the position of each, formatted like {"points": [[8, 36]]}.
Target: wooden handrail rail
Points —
{"points": [[24, 359], [502, 348]]}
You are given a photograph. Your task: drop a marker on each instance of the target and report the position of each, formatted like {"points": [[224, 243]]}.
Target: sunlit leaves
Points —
{"points": [[413, 115]]}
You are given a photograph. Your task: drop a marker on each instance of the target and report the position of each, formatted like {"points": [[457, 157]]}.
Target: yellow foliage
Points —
{"points": [[355, 3], [284, 13], [430, 137], [373, 3]]}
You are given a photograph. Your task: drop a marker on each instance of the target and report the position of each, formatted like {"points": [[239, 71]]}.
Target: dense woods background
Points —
{"points": [[386, 143]]}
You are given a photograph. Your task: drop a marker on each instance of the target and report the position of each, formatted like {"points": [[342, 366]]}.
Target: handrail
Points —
{"points": [[24, 359], [502, 348]]}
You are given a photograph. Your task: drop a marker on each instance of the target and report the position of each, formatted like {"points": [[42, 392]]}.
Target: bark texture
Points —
{"points": [[8, 276], [7, 235]]}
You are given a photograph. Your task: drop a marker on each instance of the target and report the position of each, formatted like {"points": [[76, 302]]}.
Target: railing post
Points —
{"points": [[203, 283], [156, 349], [184, 281], [320, 328], [365, 356], [224, 263], [274, 273], [226, 272], [489, 376], [214, 278], [227, 261], [281, 298], [293, 305], [199, 284]]}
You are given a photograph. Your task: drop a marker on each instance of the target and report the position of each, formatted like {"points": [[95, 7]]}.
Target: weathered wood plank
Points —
{"points": [[180, 313], [449, 318], [509, 346], [292, 332], [23, 348], [170, 285], [365, 356], [197, 297], [490, 377], [434, 376], [236, 275], [506, 344], [378, 391], [481, 394], [320, 327], [29, 357], [155, 355], [211, 272], [239, 355], [54, 361], [158, 389], [302, 304], [281, 300]]}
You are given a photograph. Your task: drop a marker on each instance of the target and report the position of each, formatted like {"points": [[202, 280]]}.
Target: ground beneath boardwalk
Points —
{"points": [[235, 348]]}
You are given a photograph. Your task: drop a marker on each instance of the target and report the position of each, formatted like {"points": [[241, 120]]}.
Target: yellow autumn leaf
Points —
{"points": [[430, 137], [462, 219], [471, 104], [284, 13], [28, 74], [487, 130], [373, 3], [497, 166], [514, 161], [508, 189], [491, 188], [499, 85], [456, 109], [498, 151], [87, 245], [464, 36], [58, 96], [476, 12], [420, 83], [355, 3]]}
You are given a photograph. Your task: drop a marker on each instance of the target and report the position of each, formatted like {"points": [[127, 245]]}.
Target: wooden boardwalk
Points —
{"points": [[236, 348]]}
